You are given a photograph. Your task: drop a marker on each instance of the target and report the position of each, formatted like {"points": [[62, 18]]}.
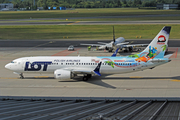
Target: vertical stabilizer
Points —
{"points": [[158, 45]]}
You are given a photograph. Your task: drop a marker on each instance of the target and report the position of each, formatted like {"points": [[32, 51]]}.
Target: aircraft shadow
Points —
{"points": [[140, 78], [96, 80], [38, 77]]}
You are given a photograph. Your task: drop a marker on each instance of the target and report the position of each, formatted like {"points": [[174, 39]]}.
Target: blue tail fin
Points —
{"points": [[115, 53]]}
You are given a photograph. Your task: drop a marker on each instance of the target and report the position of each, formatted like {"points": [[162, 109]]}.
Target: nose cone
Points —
{"points": [[8, 66]]}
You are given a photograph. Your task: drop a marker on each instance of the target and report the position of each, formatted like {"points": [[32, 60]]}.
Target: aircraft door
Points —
{"points": [[22, 64]]}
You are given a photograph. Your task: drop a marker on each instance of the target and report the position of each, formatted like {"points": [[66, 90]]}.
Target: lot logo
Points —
{"points": [[36, 66], [161, 39]]}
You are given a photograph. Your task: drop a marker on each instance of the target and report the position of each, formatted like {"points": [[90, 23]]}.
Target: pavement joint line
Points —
{"points": [[41, 76], [7, 78], [135, 77], [31, 48]]}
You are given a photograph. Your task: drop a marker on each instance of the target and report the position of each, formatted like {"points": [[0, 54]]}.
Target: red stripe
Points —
{"points": [[176, 53]]}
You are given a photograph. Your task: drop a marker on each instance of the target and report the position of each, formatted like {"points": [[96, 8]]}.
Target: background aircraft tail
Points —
{"points": [[158, 45]]}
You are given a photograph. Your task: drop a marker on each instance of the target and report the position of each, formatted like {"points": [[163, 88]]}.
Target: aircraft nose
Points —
{"points": [[8, 66]]}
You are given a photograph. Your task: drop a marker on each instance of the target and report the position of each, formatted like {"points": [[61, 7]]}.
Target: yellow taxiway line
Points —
{"points": [[73, 23]]}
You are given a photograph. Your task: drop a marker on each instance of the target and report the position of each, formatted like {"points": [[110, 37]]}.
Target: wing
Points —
{"points": [[118, 44], [135, 45], [103, 43], [92, 44], [87, 71]]}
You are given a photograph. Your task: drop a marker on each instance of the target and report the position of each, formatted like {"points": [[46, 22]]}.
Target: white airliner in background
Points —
{"points": [[116, 43], [71, 66]]}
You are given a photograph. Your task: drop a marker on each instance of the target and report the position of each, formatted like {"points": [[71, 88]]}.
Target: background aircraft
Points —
{"points": [[71, 66], [116, 43]]}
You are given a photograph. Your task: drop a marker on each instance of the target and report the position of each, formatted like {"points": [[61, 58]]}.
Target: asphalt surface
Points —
{"points": [[92, 22], [96, 17], [66, 43]]}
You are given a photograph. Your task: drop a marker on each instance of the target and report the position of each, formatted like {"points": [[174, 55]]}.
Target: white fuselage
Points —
{"points": [[48, 64]]}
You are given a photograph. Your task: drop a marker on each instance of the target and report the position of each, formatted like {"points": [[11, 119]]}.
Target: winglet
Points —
{"points": [[96, 70], [115, 53]]}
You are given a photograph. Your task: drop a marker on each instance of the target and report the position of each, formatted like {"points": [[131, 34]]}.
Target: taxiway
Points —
{"points": [[162, 81]]}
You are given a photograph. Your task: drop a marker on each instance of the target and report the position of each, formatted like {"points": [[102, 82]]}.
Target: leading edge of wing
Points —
{"points": [[92, 44]]}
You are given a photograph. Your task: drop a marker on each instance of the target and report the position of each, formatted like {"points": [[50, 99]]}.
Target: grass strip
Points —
{"points": [[84, 31], [82, 13]]}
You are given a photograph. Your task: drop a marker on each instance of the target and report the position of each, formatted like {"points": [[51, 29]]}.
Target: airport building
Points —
{"points": [[89, 108], [167, 6], [6, 6]]}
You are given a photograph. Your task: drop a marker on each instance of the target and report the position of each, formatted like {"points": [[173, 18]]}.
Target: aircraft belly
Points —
{"points": [[115, 70]]}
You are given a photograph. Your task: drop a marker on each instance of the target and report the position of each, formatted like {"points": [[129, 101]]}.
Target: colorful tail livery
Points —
{"points": [[157, 48]]}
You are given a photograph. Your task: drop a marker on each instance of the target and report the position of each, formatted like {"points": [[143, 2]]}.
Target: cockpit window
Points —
{"points": [[13, 62]]}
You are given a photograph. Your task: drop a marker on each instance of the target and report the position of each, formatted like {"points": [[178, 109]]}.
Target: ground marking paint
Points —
{"points": [[73, 23]]}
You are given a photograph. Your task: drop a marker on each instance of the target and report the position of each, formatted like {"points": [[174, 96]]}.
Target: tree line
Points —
{"points": [[87, 3]]}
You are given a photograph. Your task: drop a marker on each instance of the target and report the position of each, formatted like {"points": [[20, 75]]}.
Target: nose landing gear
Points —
{"points": [[21, 76]]}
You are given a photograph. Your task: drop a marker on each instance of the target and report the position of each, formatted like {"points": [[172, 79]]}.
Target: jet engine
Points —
{"points": [[62, 74]]}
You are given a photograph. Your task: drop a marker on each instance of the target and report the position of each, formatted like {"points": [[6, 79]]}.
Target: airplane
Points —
{"points": [[116, 43], [69, 67]]}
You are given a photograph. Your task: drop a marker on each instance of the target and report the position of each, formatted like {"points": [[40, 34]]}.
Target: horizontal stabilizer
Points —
{"points": [[168, 56]]}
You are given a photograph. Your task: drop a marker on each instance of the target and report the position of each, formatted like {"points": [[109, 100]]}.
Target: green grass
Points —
{"points": [[84, 31], [82, 13]]}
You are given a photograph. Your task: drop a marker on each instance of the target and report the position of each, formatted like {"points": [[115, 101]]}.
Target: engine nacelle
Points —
{"points": [[62, 74]]}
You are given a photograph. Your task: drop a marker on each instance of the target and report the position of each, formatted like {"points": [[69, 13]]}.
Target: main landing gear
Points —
{"points": [[86, 77], [21, 76]]}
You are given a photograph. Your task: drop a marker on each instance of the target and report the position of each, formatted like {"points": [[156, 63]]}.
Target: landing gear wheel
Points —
{"points": [[110, 50], [130, 49], [85, 78], [89, 75], [21, 76]]}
